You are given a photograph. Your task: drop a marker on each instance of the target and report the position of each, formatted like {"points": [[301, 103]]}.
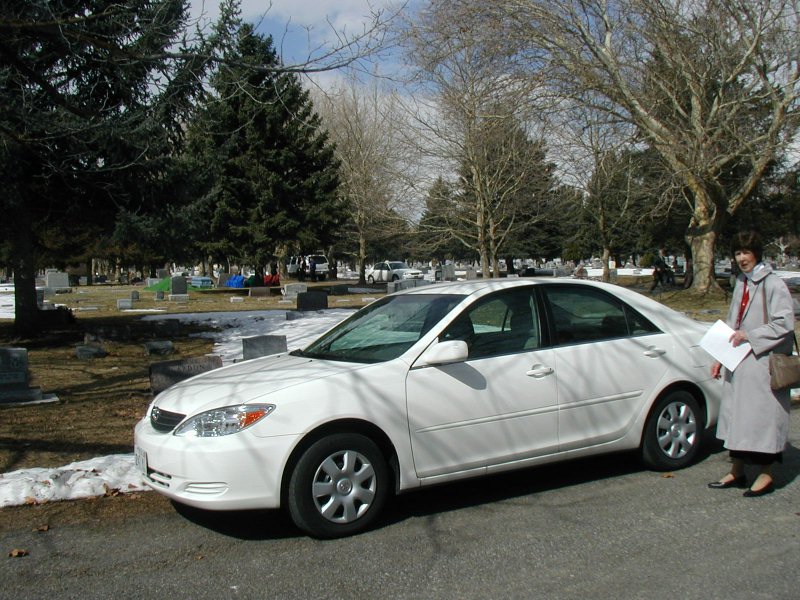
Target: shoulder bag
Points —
{"points": [[784, 369]]}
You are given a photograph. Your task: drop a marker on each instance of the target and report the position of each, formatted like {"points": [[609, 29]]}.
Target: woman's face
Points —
{"points": [[746, 260]]}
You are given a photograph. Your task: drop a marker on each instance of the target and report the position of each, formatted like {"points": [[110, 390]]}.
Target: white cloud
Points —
{"points": [[301, 27]]}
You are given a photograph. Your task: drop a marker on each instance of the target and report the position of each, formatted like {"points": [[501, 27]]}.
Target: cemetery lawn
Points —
{"points": [[101, 399]]}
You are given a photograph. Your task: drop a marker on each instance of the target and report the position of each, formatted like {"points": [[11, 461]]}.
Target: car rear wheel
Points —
{"points": [[370, 279], [673, 432], [395, 278], [338, 486]]}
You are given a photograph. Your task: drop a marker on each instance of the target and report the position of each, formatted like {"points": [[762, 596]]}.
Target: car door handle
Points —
{"points": [[539, 371], [653, 352]]}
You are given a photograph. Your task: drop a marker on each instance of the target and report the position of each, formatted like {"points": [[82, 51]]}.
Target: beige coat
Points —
{"points": [[752, 416]]}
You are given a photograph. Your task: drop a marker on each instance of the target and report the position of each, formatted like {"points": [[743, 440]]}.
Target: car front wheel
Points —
{"points": [[673, 432], [370, 279], [338, 486]]}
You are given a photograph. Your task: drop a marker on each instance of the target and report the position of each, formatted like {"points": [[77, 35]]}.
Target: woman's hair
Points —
{"points": [[748, 240]]}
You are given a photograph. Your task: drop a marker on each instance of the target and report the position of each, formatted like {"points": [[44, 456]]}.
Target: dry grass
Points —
{"points": [[101, 399]]}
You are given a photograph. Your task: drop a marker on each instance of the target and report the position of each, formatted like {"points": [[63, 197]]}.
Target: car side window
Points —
{"points": [[583, 314], [502, 323]]}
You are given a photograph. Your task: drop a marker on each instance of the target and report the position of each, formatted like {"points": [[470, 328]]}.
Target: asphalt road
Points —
{"points": [[589, 529]]}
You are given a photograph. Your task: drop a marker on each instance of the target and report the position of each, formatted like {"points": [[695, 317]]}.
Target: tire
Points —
{"points": [[673, 433], [338, 486], [370, 279]]}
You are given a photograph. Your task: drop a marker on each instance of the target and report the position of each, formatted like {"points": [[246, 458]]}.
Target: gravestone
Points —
{"points": [[14, 377], [159, 295], [202, 282], [312, 301], [471, 273], [169, 372], [222, 280], [89, 351], [404, 284], [134, 295], [263, 345], [162, 273], [178, 286], [160, 348], [262, 291], [449, 272], [124, 304], [290, 290], [56, 280]]}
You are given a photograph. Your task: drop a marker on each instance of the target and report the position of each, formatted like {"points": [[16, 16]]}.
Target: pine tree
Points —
{"points": [[268, 173]]}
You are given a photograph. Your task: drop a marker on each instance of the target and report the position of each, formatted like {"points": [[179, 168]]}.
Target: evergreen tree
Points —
{"points": [[91, 105], [266, 171]]}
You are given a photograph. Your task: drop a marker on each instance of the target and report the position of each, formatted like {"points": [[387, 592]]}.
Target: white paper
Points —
{"points": [[717, 342]]}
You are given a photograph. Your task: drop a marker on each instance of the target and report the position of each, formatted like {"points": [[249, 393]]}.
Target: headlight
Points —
{"points": [[224, 421]]}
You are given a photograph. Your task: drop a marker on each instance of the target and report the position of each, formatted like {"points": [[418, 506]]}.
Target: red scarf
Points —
{"points": [[743, 305]]}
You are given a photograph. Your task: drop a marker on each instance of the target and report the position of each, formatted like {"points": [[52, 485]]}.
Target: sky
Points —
{"points": [[303, 28], [117, 473]]}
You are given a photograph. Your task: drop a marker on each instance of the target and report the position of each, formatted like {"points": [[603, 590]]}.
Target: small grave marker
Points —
{"points": [[14, 377], [312, 301], [159, 348], [263, 345], [167, 373], [178, 286]]}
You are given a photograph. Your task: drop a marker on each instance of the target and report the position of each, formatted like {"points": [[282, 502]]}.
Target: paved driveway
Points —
{"points": [[600, 528]]}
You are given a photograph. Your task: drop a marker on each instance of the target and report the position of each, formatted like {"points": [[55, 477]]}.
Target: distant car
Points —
{"points": [[392, 270], [430, 385], [320, 260]]}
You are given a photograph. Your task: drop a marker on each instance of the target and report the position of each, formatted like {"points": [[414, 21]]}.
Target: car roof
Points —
{"points": [[479, 287]]}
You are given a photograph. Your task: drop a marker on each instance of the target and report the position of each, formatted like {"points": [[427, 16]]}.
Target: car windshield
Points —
{"points": [[383, 330], [397, 265]]}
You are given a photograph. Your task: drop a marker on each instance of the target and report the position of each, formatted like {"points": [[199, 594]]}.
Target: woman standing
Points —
{"points": [[754, 419]]}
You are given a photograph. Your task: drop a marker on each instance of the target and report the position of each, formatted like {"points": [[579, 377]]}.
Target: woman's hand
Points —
{"points": [[738, 337], [716, 367]]}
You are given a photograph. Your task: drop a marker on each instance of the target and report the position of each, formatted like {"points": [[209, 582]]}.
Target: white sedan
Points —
{"points": [[392, 270], [431, 385]]}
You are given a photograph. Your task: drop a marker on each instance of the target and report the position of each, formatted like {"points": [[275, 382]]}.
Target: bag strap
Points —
{"points": [[766, 320]]}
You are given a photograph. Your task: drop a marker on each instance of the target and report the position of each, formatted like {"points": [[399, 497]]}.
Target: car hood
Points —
{"points": [[245, 382]]}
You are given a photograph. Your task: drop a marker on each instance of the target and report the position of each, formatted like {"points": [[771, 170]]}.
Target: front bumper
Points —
{"points": [[234, 472]]}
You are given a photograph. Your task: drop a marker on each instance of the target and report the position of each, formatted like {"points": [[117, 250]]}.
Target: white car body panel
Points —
{"points": [[460, 420]]}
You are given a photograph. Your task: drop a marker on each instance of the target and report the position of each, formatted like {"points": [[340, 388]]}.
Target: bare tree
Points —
{"points": [[711, 84], [365, 123], [604, 160], [473, 117]]}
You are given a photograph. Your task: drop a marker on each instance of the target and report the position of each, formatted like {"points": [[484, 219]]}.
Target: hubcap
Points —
{"points": [[344, 486], [677, 430]]}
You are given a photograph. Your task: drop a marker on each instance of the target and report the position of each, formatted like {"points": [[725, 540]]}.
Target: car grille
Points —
{"points": [[164, 420]]}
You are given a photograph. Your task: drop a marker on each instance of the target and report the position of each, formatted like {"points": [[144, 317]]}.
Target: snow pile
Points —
{"points": [[85, 479]]}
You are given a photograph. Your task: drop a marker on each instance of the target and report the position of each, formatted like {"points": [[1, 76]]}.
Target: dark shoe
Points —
{"points": [[767, 489], [739, 482]]}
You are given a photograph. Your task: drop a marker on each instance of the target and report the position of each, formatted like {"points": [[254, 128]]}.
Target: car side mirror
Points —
{"points": [[443, 353]]}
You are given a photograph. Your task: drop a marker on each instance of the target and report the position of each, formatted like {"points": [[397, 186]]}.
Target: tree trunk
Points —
{"points": [[703, 277], [26, 309], [362, 258], [606, 271], [707, 221]]}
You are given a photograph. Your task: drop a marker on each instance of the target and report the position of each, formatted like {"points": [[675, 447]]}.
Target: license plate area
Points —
{"points": [[140, 458]]}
